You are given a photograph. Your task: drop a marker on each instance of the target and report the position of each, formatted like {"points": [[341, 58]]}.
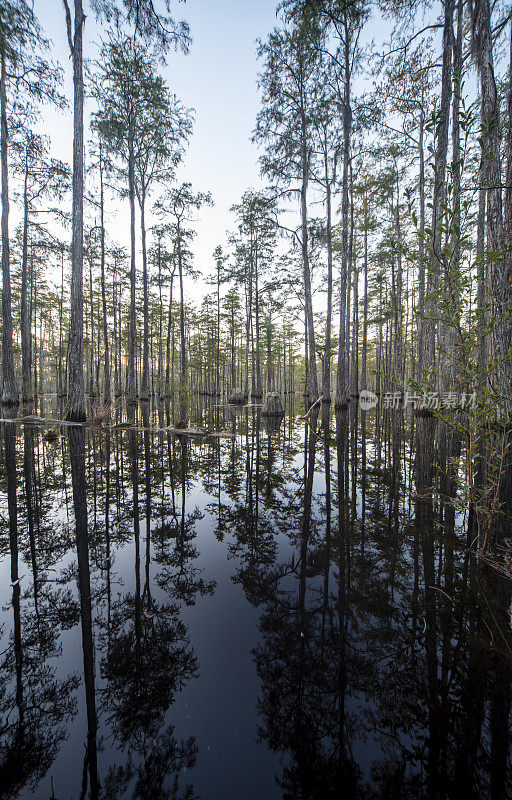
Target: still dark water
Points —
{"points": [[276, 612]]}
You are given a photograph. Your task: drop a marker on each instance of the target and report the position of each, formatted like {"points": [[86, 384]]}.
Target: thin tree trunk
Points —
{"points": [[481, 283], [92, 386], [131, 396], [183, 344], [9, 387], [168, 343], [145, 345], [421, 243], [398, 351], [365, 300], [217, 355], [26, 366], [326, 372], [355, 332], [259, 387], [76, 395], [160, 324], [341, 375], [429, 328], [107, 394], [311, 389], [61, 389], [248, 312], [452, 276], [117, 336]]}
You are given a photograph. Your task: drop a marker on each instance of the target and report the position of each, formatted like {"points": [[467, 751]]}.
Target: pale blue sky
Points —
{"points": [[217, 78]]}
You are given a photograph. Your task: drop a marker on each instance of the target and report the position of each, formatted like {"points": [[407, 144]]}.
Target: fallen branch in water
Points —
{"points": [[121, 426], [186, 431], [312, 407]]}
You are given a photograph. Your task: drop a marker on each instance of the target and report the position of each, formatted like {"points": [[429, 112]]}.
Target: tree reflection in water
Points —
{"points": [[35, 705], [334, 546]]}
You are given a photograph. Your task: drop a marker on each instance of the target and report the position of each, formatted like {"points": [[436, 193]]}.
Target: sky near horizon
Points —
{"points": [[217, 78]]}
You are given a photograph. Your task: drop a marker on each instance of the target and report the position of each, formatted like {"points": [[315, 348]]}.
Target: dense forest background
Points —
{"points": [[376, 258]]}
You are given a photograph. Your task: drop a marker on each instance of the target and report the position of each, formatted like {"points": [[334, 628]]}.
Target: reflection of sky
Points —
{"points": [[218, 79]]}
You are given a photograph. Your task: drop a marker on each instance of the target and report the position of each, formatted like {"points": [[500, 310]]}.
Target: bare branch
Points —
{"points": [[409, 41], [68, 26]]}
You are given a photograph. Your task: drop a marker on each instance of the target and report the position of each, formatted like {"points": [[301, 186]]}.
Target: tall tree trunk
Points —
{"points": [[183, 343], [452, 273], [76, 395], [131, 396], [26, 366], [481, 283], [92, 386], [398, 350], [365, 299], [259, 387], [421, 242], [341, 374], [354, 289], [248, 313], [491, 173], [233, 351], [508, 201], [168, 376], [326, 367], [34, 321], [107, 394], [311, 389], [117, 337], [160, 324], [217, 354], [508, 190], [61, 332], [354, 381], [145, 352], [429, 331], [9, 387]]}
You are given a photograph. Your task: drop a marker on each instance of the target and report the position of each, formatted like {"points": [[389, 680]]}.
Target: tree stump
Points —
{"points": [[272, 406]]}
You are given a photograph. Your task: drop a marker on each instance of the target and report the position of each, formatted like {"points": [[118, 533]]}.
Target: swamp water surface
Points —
{"points": [[282, 611]]}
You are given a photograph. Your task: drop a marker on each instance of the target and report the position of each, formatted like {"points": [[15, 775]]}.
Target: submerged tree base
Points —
{"points": [[423, 412], [9, 401], [272, 407], [237, 397]]}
